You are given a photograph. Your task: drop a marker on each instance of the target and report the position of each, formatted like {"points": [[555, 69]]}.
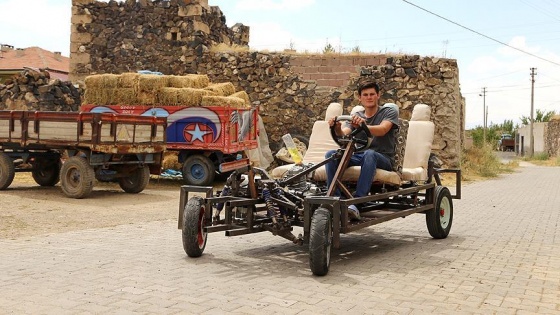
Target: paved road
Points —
{"points": [[502, 256]]}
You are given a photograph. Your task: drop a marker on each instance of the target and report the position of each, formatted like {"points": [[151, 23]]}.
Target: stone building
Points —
{"points": [[291, 90]]}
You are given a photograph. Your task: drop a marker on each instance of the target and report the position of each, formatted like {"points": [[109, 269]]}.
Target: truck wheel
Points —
{"points": [[198, 170], [77, 177], [440, 218], [7, 171], [137, 181], [320, 240], [48, 174], [194, 236]]}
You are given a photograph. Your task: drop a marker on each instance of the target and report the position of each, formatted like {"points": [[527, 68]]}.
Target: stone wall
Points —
{"points": [[165, 36], [552, 137], [292, 90]]}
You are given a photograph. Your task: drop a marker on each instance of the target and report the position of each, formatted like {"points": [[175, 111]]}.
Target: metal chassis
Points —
{"points": [[382, 207]]}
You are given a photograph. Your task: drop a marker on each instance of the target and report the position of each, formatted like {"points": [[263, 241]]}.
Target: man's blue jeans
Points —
{"points": [[368, 160]]}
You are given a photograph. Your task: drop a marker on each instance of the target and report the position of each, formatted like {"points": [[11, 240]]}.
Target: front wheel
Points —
{"points": [[198, 170], [7, 171], [194, 236], [440, 218], [77, 177], [137, 181], [320, 241]]}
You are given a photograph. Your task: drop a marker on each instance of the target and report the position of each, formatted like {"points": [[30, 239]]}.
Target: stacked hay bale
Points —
{"points": [[151, 89]]}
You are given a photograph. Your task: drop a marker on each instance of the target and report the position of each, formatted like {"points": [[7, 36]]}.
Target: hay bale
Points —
{"points": [[223, 101], [125, 96], [94, 81], [171, 161], [128, 80], [110, 80], [168, 96], [242, 95], [152, 82], [147, 98], [191, 97], [199, 81], [222, 89], [100, 96]]}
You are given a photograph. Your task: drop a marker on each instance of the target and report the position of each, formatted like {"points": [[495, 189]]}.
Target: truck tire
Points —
{"points": [[440, 218], [320, 241], [48, 173], [194, 236], [77, 177], [7, 171], [137, 181], [198, 170]]}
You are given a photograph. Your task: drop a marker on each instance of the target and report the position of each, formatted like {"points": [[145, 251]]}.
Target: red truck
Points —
{"points": [[77, 148], [506, 143], [208, 140]]}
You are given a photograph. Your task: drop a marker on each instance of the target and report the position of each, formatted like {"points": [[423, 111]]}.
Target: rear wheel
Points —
{"points": [[194, 236], [77, 177], [46, 174], [198, 170], [440, 218], [320, 241], [7, 171], [137, 181]]}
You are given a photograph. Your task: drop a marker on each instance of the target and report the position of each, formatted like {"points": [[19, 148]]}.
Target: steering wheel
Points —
{"points": [[360, 144]]}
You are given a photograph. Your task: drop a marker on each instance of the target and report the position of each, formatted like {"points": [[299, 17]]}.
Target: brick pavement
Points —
{"points": [[502, 256]]}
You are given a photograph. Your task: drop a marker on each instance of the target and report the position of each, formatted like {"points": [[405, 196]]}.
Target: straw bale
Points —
{"points": [[94, 81], [128, 80], [171, 161], [223, 101], [191, 97], [222, 89], [146, 98], [125, 96], [242, 95], [98, 96], [110, 80], [168, 96], [151, 82], [199, 81]]}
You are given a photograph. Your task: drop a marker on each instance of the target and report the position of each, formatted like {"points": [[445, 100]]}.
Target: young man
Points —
{"points": [[382, 123]]}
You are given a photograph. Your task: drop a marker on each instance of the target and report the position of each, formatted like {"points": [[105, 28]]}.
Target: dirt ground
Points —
{"points": [[27, 209]]}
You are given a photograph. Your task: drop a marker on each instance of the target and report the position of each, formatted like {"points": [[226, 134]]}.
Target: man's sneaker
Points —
{"points": [[354, 213]]}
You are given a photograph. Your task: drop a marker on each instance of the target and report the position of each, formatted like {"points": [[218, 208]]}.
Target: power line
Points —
{"points": [[483, 35]]}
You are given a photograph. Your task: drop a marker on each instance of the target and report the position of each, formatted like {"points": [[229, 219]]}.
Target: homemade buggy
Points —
{"points": [[253, 201]]}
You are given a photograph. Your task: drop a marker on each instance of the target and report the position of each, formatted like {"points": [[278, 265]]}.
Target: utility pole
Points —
{"points": [[484, 113], [531, 137]]}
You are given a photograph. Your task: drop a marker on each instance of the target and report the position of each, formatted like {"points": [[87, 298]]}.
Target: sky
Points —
{"points": [[495, 43]]}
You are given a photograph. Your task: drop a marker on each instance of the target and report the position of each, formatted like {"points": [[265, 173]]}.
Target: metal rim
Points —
{"points": [[201, 235], [197, 171], [73, 177], [444, 212]]}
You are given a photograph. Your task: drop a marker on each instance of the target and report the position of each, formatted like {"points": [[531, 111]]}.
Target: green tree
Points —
{"points": [[540, 116], [328, 49]]}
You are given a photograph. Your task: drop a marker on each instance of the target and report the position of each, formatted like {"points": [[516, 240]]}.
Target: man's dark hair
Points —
{"points": [[368, 85]]}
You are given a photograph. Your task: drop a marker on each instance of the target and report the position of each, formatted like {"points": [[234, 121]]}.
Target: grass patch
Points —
{"points": [[482, 162]]}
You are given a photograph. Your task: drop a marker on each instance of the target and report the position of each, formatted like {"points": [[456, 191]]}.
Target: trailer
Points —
{"points": [[75, 148], [208, 140]]}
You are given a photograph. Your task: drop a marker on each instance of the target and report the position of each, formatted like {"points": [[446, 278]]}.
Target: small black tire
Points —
{"points": [[7, 171], [440, 218], [77, 177], [194, 236], [198, 170], [320, 241], [48, 174], [137, 181]]}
